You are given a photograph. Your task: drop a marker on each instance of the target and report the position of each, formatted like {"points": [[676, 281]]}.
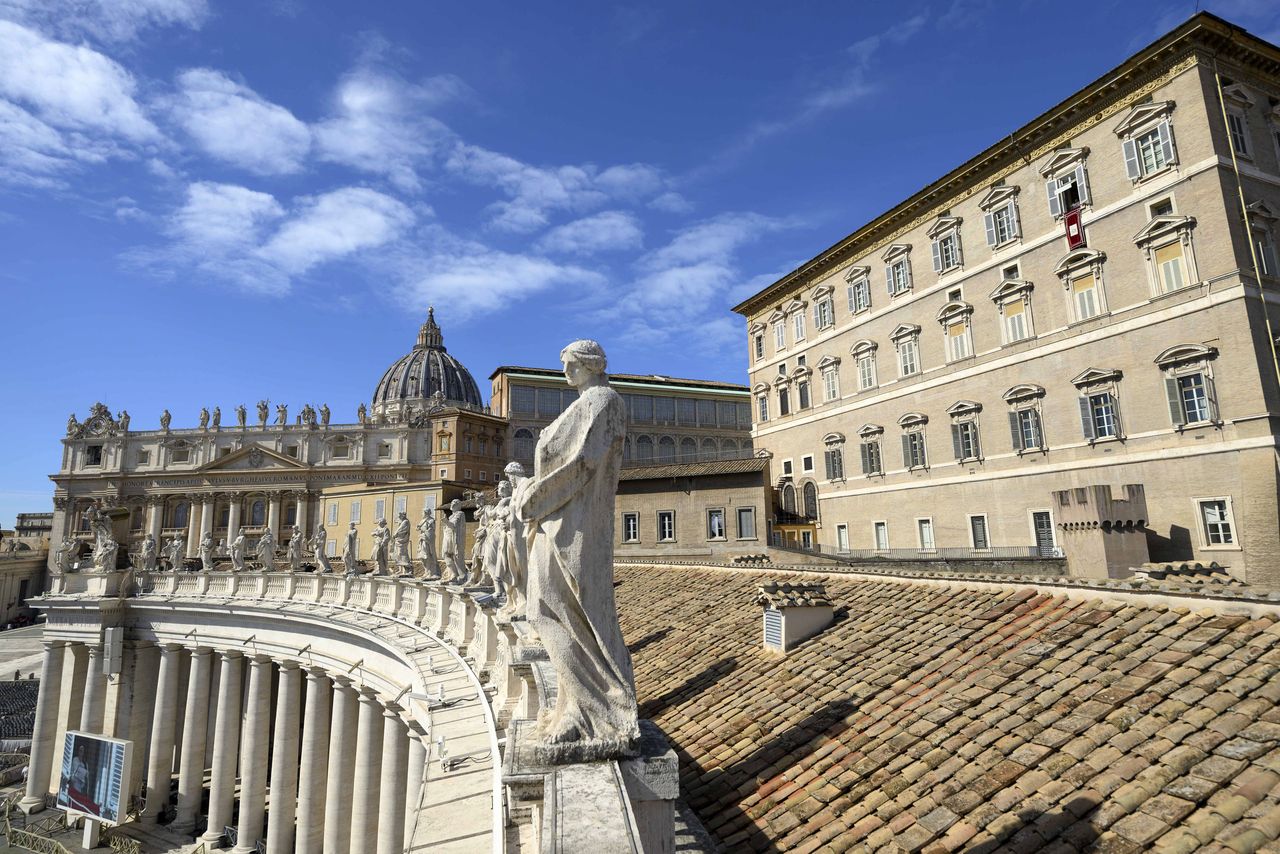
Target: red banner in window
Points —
{"points": [[1075, 231]]}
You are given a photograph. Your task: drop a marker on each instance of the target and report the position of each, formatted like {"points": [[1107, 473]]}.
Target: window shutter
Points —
{"points": [[1086, 417], [837, 457], [865, 448], [906, 450], [977, 442], [849, 294], [1131, 165], [1115, 408], [1055, 202], [1166, 142], [1211, 395], [959, 250], [906, 268], [1013, 219], [1015, 431], [817, 317], [1176, 415], [888, 278], [1082, 182], [956, 446], [1037, 430], [826, 459], [989, 221], [937, 256]]}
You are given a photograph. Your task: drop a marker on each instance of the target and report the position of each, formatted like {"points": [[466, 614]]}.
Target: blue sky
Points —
{"points": [[206, 203]]}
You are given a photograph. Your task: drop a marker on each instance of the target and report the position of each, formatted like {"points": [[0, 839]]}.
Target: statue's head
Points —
{"points": [[504, 489], [583, 356], [455, 505]]}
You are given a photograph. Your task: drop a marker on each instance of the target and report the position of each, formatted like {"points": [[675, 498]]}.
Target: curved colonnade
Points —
{"points": [[311, 712]]}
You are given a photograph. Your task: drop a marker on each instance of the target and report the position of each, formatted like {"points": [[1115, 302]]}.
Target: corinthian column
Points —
{"points": [[160, 762], [303, 512], [364, 809], [155, 512], [195, 724], [314, 770], [95, 692], [284, 759], [193, 528], [206, 518], [253, 756], [395, 761], [273, 515], [342, 754], [226, 744], [233, 516], [43, 746]]}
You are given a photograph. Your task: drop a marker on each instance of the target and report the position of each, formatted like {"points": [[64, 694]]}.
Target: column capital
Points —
{"points": [[368, 695], [258, 658], [170, 647], [315, 671], [416, 727], [56, 644], [230, 654], [391, 710], [286, 664], [202, 650], [341, 680]]}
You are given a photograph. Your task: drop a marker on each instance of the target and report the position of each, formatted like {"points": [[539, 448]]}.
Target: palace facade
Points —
{"points": [[1090, 301]]}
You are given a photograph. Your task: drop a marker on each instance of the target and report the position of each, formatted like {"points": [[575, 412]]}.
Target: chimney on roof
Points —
{"points": [[793, 613]]}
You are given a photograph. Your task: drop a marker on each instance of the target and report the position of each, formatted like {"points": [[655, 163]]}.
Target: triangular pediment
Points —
{"points": [[855, 273], [1093, 376], [1061, 159], [1010, 288], [895, 251], [255, 457], [1239, 94], [904, 330], [997, 196], [793, 306], [942, 225], [1143, 114], [828, 361], [1162, 225]]}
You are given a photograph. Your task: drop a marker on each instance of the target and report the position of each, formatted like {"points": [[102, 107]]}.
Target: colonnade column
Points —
{"points": [[95, 692], [46, 726], [193, 527], [253, 756], [160, 762], [146, 675], [284, 760], [395, 763], [226, 743], [314, 770], [342, 753], [366, 786], [417, 773], [233, 518], [273, 515], [195, 723]]}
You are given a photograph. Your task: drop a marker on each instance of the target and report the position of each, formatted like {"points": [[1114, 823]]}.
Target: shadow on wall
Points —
{"points": [[1174, 548]]}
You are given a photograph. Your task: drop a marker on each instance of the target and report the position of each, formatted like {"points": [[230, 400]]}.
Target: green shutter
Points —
{"points": [[1174, 397]]}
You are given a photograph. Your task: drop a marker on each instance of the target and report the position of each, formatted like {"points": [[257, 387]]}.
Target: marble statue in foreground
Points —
{"points": [[568, 506], [427, 543]]}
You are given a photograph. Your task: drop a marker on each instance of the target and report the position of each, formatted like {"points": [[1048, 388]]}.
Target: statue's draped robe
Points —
{"points": [[570, 504]]}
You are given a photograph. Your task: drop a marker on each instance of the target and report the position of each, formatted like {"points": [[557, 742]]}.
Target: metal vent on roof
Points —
{"points": [[773, 629]]}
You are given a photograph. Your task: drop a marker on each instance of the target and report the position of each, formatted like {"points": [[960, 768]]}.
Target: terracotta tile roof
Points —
{"points": [[945, 717], [789, 595], [694, 469]]}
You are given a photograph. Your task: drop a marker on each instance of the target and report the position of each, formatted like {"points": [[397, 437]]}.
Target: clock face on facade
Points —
{"points": [[97, 425]]}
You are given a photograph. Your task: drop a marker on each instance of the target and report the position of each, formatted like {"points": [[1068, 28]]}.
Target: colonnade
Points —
{"points": [[323, 764]]}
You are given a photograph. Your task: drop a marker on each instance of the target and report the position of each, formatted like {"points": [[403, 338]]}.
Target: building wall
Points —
{"points": [[1233, 457], [18, 570], [691, 498]]}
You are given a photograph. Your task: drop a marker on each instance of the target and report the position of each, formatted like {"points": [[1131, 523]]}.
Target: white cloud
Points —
{"points": [[70, 87], [231, 122], [335, 225], [380, 124], [224, 217], [671, 202], [603, 232], [534, 192], [105, 20], [31, 152]]}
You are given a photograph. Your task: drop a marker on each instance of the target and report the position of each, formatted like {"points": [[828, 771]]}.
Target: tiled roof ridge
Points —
{"points": [[1258, 601], [790, 594]]}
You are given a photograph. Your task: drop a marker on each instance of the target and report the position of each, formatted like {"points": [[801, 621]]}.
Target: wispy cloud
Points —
{"points": [[111, 21], [335, 225], [610, 231]]}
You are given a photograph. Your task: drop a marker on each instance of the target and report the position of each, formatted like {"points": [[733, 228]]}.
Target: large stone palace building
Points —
{"points": [[1090, 301]]}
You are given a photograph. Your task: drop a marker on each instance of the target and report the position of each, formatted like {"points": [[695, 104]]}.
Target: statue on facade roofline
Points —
{"points": [[427, 542], [123, 420], [165, 418], [264, 412], [265, 551], [241, 414], [282, 414], [73, 426], [204, 418], [568, 506], [217, 417], [362, 414], [149, 553], [324, 415]]}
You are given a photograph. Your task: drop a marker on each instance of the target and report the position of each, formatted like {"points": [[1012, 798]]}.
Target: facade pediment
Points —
{"points": [[997, 196], [1023, 391], [1062, 160], [1142, 115], [1010, 288], [855, 273], [777, 316], [864, 346], [942, 225], [904, 330], [896, 251], [1093, 376], [1239, 94], [794, 306], [1262, 209], [828, 362], [253, 458], [870, 430], [1163, 225], [821, 291], [913, 418]]}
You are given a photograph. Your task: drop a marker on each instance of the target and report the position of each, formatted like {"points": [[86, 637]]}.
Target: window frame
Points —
{"points": [[1026, 399], [858, 292], [923, 523], [879, 526], [751, 513], [986, 532], [1202, 523], [945, 245], [1077, 265], [671, 514], [906, 340], [1001, 199], [965, 427], [957, 313], [1061, 165], [897, 258], [915, 446], [1181, 362], [632, 517], [724, 525]]}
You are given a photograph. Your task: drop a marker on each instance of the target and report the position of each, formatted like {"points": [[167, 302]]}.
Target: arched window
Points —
{"points": [[810, 501], [709, 449], [644, 449], [181, 513], [789, 498], [728, 449], [135, 518], [688, 450], [626, 450], [258, 513], [666, 450], [524, 444], [291, 513]]}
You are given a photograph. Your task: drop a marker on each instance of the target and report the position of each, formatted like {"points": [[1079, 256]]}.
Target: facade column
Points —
{"points": [[395, 764], [314, 764], [43, 745], [234, 500], [193, 527], [206, 518], [163, 724], [273, 515], [155, 520], [342, 753], [417, 772], [226, 747], [304, 506], [195, 724], [365, 788], [253, 756], [146, 674], [284, 759], [75, 666], [95, 692]]}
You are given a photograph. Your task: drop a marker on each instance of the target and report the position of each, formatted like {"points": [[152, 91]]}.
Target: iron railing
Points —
{"points": [[941, 553]]}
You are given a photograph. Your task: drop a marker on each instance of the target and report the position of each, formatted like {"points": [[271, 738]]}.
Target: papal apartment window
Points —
{"points": [[834, 459], [762, 408], [802, 394], [333, 513], [1147, 139], [797, 325], [1025, 429], [715, 524], [830, 383], [746, 523], [872, 462], [880, 533], [1014, 314], [1265, 246], [859, 291], [758, 344], [958, 341], [1238, 127], [666, 526], [1099, 416], [1188, 384], [945, 234], [1067, 191], [1215, 517], [908, 355], [779, 335], [93, 455], [784, 402], [864, 360], [824, 314], [631, 527], [897, 269], [914, 452], [964, 441]]}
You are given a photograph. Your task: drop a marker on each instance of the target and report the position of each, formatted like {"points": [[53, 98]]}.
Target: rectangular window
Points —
{"points": [[913, 450], [784, 402], [797, 325], [834, 458], [93, 455], [1266, 251], [1190, 399], [402, 504], [664, 410], [1149, 153], [522, 398], [964, 441], [144, 457], [333, 513], [859, 296], [380, 504], [842, 537], [806, 463], [1170, 267], [1067, 192], [830, 384], [292, 451], [180, 455], [946, 252], [758, 344], [1084, 296], [1239, 131], [958, 341], [1024, 426], [866, 371], [880, 532], [802, 393], [746, 523], [762, 408], [331, 548], [548, 402], [899, 277], [779, 336], [355, 511], [715, 524], [908, 357], [341, 451], [666, 526], [743, 412], [631, 527], [707, 413], [1098, 416], [823, 313], [384, 450], [787, 467], [484, 476], [925, 529], [871, 461], [687, 412], [978, 532], [1001, 225], [1216, 518], [1015, 321], [642, 408]]}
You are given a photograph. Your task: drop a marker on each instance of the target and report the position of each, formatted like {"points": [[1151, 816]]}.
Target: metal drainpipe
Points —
{"points": [[1248, 224]]}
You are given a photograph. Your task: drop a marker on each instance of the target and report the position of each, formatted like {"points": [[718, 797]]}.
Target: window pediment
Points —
{"points": [[782, 382], [1010, 289], [1181, 353], [998, 196], [1143, 115], [856, 273], [1063, 160], [868, 430], [820, 292], [1164, 225], [863, 348], [903, 330], [913, 419], [801, 372], [826, 363], [760, 388], [756, 328], [1262, 209], [1094, 376], [964, 407], [896, 251], [794, 306], [1238, 94], [1023, 391], [942, 225], [833, 439], [778, 316], [953, 310], [1078, 258]]}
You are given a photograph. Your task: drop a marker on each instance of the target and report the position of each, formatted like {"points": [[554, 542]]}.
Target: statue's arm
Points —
{"points": [[551, 492]]}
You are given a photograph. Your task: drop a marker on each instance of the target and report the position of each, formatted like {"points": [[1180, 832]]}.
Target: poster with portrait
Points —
{"points": [[95, 774]]}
